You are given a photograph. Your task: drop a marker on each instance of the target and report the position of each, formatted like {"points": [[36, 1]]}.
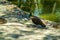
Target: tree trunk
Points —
{"points": [[36, 6], [54, 7], [36, 12], [19, 3]]}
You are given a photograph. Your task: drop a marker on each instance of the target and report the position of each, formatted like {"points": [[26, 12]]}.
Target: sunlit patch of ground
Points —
{"points": [[10, 30]]}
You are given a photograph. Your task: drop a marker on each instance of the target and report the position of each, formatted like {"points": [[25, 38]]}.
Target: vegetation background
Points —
{"points": [[46, 9]]}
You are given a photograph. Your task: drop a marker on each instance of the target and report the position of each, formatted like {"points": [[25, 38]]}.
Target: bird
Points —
{"points": [[37, 21]]}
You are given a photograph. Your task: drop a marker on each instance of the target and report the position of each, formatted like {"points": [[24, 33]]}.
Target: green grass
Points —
{"points": [[52, 17]]}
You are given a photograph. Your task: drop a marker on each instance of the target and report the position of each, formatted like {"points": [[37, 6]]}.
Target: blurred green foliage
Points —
{"points": [[46, 6], [52, 17], [27, 6]]}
